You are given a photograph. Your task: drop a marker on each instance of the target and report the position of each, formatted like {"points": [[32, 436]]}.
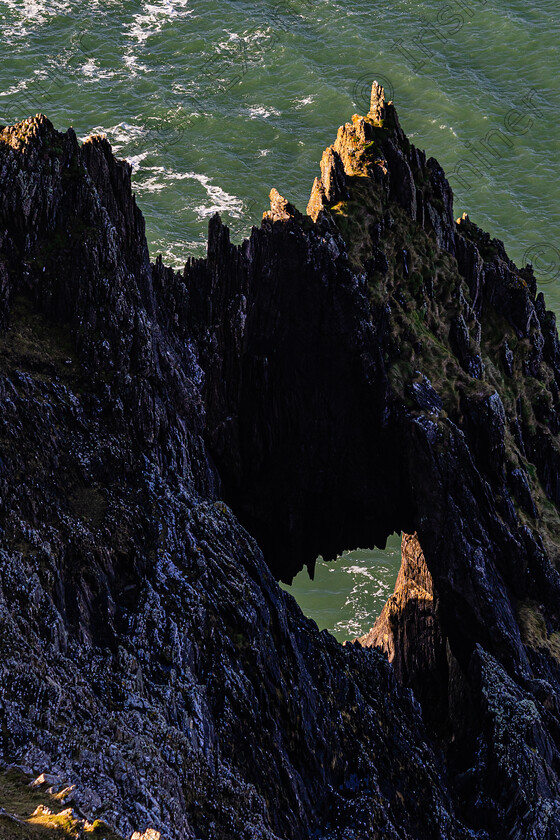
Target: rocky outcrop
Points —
{"points": [[147, 655], [409, 632], [38, 809], [396, 371], [369, 368], [377, 109]]}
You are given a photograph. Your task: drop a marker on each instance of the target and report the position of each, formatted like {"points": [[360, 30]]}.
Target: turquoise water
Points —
{"points": [[215, 103]]}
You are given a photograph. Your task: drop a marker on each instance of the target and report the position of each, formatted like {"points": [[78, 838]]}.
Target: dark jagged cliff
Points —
{"points": [[370, 367]]}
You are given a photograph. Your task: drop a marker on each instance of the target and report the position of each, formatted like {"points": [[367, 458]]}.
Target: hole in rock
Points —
{"points": [[347, 596]]}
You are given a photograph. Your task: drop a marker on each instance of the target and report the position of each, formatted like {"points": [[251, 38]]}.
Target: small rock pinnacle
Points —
{"points": [[377, 106]]}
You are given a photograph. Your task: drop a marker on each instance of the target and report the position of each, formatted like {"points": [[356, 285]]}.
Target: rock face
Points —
{"points": [[409, 631], [371, 367]]}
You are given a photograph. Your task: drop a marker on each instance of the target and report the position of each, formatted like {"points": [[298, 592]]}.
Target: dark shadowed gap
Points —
{"points": [[347, 596]]}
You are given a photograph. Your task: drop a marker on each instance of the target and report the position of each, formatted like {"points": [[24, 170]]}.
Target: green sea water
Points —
{"points": [[345, 597], [214, 103]]}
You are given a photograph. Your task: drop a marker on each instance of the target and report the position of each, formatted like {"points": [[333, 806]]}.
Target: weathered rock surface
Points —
{"points": [[376, 367], [409, 632]]}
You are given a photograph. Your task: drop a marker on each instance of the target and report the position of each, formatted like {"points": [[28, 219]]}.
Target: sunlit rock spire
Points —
{"points": [[377, 104]]}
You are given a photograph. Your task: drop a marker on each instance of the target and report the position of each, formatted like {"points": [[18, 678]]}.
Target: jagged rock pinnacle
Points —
{"points": [[332, 185], [280, 208], [377, 105]]}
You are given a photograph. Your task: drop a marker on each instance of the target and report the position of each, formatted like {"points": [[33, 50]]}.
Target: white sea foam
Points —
{"points": [[301, 103], [93, 73], [37, 11], [90, 67], [133, 64], [13, 89], [250, 37], [154, 16], [175, 254], [220, 200], [136, 160], [161, 177], [148, 22], [358, 570], [256, 111], [119, 135], [443, 127]]}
